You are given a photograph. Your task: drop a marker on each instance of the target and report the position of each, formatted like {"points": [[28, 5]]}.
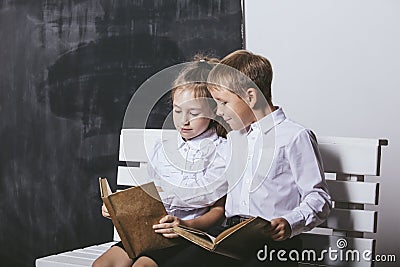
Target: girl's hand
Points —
{"points": [[279, 229], [104, 212], [165, 226]]}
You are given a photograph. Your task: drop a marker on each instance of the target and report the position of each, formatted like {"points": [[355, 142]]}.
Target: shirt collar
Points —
{"points": [[195, 142], [268, 122]]}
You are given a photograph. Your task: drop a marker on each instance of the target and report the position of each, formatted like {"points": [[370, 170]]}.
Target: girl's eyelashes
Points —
{"points": [[194, 114]]}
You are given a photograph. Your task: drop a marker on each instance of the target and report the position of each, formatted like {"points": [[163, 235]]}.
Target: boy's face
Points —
{"points": [[233, 109]]}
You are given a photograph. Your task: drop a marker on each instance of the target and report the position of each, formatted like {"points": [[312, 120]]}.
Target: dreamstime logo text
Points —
{"points": [[330, 254]]}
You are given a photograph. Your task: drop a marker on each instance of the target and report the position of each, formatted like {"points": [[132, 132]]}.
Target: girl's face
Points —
{"points": [[191, 115]]}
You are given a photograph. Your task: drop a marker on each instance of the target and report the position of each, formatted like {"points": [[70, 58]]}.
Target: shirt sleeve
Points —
{"points": [[214, 176], [306, 165]]}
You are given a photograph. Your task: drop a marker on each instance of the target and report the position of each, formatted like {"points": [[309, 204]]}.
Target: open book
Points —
{"points": [[231, 242], [133, 212]]}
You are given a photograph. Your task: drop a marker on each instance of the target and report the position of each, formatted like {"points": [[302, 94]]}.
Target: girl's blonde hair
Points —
{"points": [[194, 77]]}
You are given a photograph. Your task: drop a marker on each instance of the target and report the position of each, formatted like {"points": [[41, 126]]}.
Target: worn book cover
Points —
{"points": [[133, 212], [231, 242]]}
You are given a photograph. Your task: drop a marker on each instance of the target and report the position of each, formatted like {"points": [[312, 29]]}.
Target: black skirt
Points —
{"points": [[160, 255]]}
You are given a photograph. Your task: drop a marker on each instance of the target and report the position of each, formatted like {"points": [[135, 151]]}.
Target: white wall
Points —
{"points": [[337, 71]]}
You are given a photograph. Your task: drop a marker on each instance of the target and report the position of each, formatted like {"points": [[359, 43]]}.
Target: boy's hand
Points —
{"points": [[104, 212], [279, 229], [165, 226]]}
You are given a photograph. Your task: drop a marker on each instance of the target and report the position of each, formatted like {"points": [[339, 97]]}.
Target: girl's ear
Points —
{"points": [[251, 97]]}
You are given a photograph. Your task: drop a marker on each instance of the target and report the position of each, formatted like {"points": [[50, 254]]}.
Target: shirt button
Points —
{"points": [[247, 181], [244, 203]]}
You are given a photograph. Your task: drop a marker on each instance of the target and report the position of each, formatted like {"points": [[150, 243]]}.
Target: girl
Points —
{"points": [[188, 170]]}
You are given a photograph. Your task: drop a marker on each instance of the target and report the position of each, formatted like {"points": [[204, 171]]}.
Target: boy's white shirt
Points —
{"points": [[194, 180], [280, 176]]}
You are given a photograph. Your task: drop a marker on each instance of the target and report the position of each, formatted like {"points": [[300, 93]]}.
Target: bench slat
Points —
{"points": [[61, 260], [89, 251], [82, 254], [76, 258], [135, 144], [354, 192], [101, 247], [342, 191], [106, 245], [132, 176], [352, 220], [358, 156]]}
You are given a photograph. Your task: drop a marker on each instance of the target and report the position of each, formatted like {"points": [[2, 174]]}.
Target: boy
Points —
{"points": [[281, 179]]}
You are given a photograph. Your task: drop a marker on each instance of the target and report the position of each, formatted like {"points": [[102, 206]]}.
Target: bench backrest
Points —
{"points": [[346, 163]]}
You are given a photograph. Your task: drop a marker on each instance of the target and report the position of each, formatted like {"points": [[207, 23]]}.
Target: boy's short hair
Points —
{"points": [[257, 72]]}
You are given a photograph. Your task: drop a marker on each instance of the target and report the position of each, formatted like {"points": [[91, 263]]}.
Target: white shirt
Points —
{"points": [[281, 175], [190, 173]]}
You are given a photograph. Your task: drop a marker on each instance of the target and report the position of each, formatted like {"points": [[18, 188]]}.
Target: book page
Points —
{"points": [[105, 189], [252, 225], [198, 232], [231, 230], [202, 239], [246, 235], [196, 236]]}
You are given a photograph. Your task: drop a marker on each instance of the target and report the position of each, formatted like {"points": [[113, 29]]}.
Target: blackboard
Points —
{"points": [[67, 72]]}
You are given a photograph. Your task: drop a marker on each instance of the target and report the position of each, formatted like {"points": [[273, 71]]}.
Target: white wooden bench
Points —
{"points": [[346, 162]]}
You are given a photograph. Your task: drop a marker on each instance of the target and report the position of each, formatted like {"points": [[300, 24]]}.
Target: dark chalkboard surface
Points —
{"points": [[68, 70]]}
